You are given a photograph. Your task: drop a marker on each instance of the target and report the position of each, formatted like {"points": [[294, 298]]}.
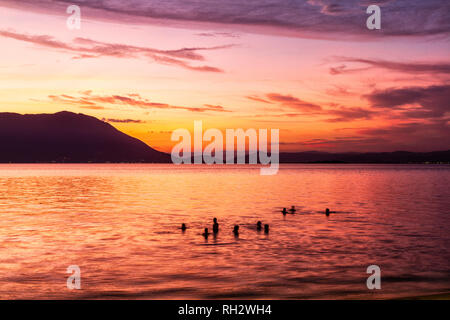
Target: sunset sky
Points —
{"points": [[309, 68]]}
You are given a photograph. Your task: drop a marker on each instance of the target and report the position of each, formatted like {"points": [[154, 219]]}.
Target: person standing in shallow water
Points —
{"points": [[206, 233], [236, 230], [259, 226], [215, 226], [266, 228], [284, 212]]}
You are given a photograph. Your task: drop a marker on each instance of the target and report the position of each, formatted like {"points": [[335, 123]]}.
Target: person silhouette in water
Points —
{"points": [[259, 226], [206, 233], [183, 227], [327, 212], [284, 211], [236, 230], [215, 226], [266, 228], [292, 210]]}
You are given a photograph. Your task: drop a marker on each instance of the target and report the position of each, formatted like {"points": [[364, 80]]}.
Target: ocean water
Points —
{"points": [[120, 225]]}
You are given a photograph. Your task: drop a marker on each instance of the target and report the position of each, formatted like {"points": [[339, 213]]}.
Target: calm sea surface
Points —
{"points": [[120, 225]]}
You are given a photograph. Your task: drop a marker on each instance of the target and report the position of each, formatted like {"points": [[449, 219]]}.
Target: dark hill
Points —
{"points": [[68, 137], [77, 138]]}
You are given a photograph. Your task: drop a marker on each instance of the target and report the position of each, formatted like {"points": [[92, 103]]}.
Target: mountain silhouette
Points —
{"points": [[68, 137]]}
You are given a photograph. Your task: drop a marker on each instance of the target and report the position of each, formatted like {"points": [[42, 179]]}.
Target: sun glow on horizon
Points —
{"points": [[148, 79]]}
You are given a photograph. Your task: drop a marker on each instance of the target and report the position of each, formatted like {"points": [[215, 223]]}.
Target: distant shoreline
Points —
{"points": [[66, 137], [258, 164]]}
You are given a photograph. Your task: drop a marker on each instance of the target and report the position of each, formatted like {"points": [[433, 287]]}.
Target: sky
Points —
{"points": [[311, 69]]}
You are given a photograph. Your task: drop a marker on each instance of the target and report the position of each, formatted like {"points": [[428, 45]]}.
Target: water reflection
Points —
{"points": [[121, 225]]}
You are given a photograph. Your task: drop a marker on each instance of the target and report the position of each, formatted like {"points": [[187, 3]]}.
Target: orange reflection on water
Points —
{"points": [[120, 224]]}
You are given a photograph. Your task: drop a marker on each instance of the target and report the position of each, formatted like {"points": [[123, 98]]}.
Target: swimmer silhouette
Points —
{"points": [[292, 210], [266, 228], [236, 230], [259, 226], [327, 212], [284, 211], [215, 226], [206, 233], [183, 227]]}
